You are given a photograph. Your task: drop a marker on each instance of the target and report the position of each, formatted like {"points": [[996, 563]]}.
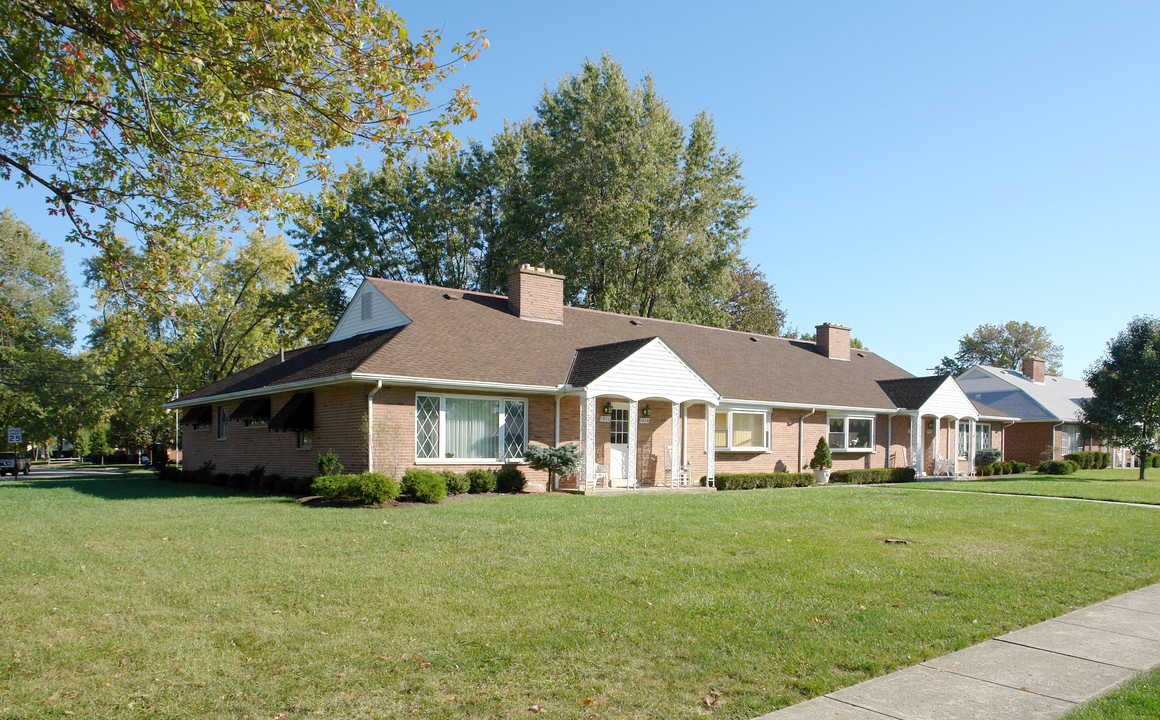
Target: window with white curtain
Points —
{"points": [[457, 427], [982, 436], [742, 430]]}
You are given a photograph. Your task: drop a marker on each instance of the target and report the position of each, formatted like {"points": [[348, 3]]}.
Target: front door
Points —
{"points": [[618, 447]]}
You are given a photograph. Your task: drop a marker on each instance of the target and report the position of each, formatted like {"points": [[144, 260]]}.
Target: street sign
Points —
{"points": [[14, 435]]}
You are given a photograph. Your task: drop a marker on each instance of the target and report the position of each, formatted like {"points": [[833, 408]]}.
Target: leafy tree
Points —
{"points": [[1003, 346], [230, 311], [44, 392], [640, 214], [1125, 407], [165, 116], [418, 221], [753, 305]]}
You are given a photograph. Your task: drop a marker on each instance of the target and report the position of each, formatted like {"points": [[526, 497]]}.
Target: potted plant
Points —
{"points": [[822, 462]]}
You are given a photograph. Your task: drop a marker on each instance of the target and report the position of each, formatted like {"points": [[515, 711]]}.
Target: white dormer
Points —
{"points": [[369, 310]]}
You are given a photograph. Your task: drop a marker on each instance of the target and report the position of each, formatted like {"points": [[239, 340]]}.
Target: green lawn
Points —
{"points": [[1137, 699], [124, 597], [1120, 485]]}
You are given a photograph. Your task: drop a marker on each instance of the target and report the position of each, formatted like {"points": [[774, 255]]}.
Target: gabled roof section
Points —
{"points": [[911, 393], [986, 412], [646, 368], [369, 310], [592, 362], [1009, 391], [315, 362]]}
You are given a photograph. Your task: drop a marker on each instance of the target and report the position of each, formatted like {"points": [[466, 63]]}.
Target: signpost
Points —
{"points": [[14, 435]]}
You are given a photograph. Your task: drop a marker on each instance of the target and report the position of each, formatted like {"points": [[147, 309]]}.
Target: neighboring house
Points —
{"points": [[1047, 407], [415, 375]]}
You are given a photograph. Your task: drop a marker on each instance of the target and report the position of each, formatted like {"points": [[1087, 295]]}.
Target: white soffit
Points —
{"points": [[949, 400]]}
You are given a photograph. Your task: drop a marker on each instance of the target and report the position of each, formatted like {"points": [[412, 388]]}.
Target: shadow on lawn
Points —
{"points": [[135, 487]]}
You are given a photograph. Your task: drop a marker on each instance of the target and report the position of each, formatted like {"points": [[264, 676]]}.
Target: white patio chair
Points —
{"points": [[680, 476], [601, 472]]}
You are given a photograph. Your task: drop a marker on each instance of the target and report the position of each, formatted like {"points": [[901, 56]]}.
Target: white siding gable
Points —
{"points": [[949, 400], [369, 310], [655, 370]]}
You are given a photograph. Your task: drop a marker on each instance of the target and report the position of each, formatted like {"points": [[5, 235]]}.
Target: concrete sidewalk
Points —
{"points": [[1039, 672]]}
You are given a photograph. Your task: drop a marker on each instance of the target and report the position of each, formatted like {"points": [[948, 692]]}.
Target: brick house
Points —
{"points": [[422, 376], [1047, 410]]}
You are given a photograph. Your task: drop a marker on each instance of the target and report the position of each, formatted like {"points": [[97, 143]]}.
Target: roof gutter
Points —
{"points": [[255, 392], [452, 384]]}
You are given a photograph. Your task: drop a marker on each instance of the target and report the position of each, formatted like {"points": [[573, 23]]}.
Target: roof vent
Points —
{"points": [[449, 296], [754, 339], [634, 322], [861, 354]]}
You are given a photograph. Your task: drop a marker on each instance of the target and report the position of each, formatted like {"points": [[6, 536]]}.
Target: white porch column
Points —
{"points": [[955, 454], [588, 441], [710, 443], [633, 422], [678, 458], [972, 442], [917, 443]]}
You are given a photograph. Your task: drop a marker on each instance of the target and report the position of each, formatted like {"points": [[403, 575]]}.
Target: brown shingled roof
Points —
{"points": [[475, 338]]}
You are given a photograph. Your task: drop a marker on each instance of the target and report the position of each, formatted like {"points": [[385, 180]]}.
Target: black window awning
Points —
{"points": [[296, 414], [197, 416], [256, 409]]}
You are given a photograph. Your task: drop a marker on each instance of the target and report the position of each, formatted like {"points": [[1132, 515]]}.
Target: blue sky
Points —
{"points": [[919, 168]]}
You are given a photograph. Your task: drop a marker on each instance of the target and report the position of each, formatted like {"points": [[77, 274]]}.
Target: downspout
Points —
{"points": [[1053, 427], [889, 439], [802, 437], [371, 426], [1003, 442], [557, 487]]}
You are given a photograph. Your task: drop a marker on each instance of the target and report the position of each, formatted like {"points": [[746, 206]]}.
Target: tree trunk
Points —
{"points": [[1143, 456]]}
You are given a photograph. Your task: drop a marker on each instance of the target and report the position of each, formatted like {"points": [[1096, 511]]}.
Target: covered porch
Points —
{"points": [[643, 419]]}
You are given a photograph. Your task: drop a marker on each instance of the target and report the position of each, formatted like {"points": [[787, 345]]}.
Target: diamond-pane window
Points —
{"points": [[513, 431], [426, 426]]}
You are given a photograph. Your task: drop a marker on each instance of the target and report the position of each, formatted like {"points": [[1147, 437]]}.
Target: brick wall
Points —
{"points": [[1028, 442], [338, 421]]}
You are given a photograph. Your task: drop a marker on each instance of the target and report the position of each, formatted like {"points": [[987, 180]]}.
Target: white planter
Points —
{"points": [[821, 476]]}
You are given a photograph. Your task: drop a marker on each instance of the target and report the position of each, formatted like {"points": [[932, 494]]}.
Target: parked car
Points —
{"points": [[15, 463]]}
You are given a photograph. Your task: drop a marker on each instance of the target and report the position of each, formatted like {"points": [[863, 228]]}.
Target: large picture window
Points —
{"points": [[742, 430], [1072, 439], [452, 427], [850, 433]]}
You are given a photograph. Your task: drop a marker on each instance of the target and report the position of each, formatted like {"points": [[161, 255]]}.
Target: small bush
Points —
{"points": [[1057, 467], [510, 480], [257, 476], [1105, 460], [1020, 467], [1154, 461], [328, 463], [988, 456], [761, 481], [302, 485], [822, 457], [169, 473], [986, 471], [238, 481], [873, 476], [424, 485], [204, 474], [481, 481], [1085, 460], [367, 488], [457, 484]]}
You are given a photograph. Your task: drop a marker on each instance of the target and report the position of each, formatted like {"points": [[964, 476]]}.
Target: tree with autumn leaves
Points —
{"points": [[149, 118]]}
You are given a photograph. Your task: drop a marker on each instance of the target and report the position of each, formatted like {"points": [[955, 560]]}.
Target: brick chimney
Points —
{"points": [[834, 341], [535, 293], [1035, 368]]}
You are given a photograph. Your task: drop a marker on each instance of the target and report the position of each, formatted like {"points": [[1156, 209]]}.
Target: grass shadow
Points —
{"points": [[125, 486]]}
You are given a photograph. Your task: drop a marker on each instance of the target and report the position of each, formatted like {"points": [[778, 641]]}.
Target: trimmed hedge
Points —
{"points": [[457, 484], [367, 488], [480, 481], [873, 476], [510, 480], [424, 485], [1093, 460], [1057, 467], [256, 480], [1153, 461], [755, 481]]}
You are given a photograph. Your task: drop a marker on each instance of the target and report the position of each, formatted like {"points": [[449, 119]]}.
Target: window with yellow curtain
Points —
{"points": [[741, 430], [722, 430]]}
